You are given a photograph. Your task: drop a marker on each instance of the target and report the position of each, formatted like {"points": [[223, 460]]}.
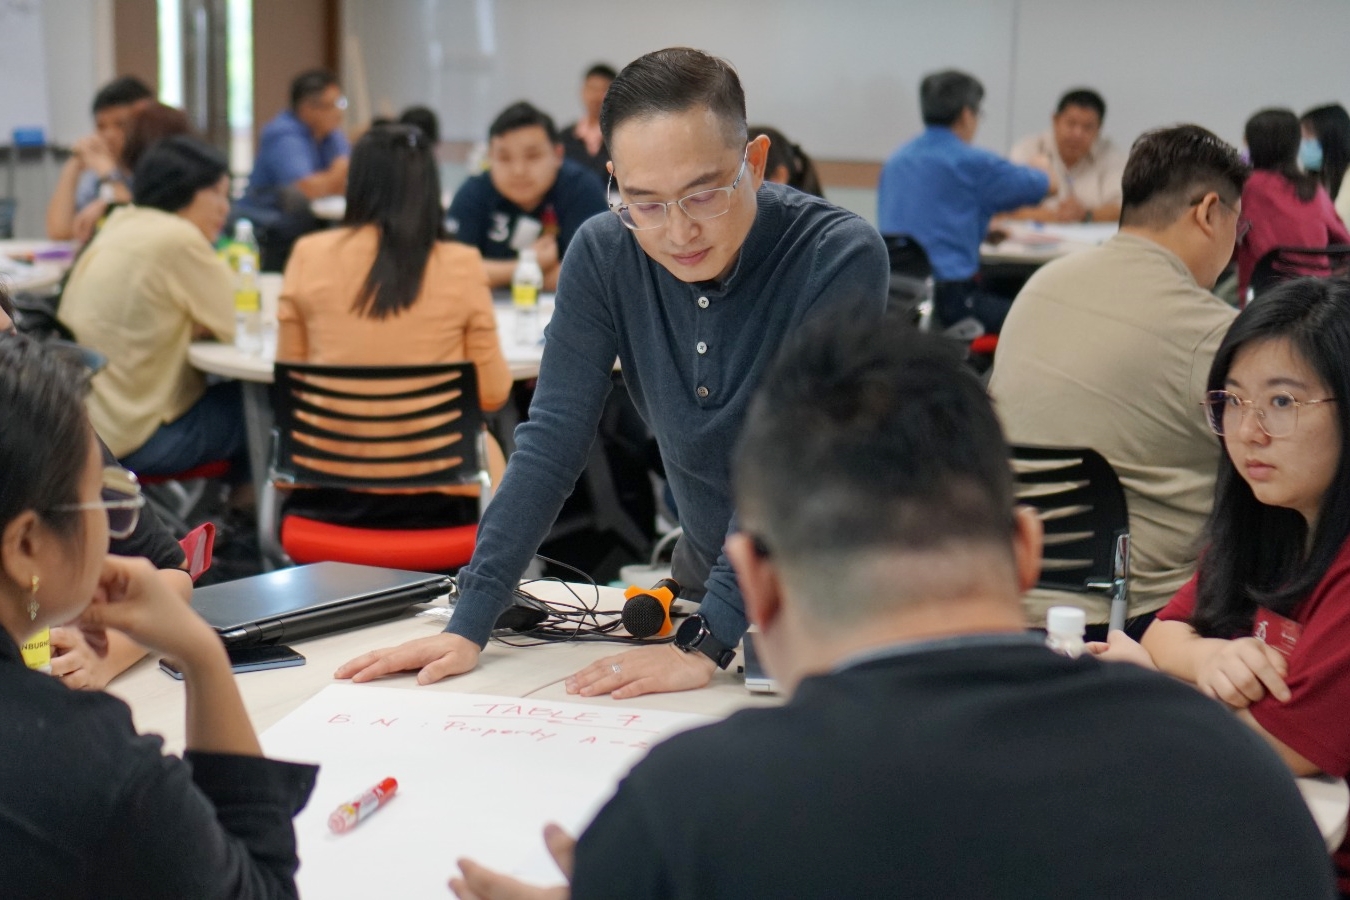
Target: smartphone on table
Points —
{"points": [[250, 659]]}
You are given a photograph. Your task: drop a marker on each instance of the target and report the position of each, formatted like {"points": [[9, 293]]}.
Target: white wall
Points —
{"points": [[77, 43], [841, 77]]}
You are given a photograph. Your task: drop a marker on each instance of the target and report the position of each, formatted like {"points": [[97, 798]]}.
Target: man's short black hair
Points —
{"points": [[943, 95], [601, 70], [310, 84], [1087, 98], [865, 439], [1170, 168], [172, 171], [522, 115], [672, 81], [122, 91]]}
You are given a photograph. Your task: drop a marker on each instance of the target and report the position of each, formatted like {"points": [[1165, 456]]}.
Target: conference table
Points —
{"points": [[254, 372], [34, 265], [156, 700], [537, 673], [1034, 243]]}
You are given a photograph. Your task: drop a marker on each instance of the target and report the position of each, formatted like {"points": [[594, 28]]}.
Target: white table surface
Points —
{"points": [[156, 700], [20, 275], [1033, 243], [331, 208], [523, 358]]}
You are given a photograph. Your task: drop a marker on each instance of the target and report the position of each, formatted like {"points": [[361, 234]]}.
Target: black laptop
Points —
{"points": [[307, 601]]}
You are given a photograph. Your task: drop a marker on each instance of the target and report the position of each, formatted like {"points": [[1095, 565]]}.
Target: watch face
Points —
{"points": [[686, 638]]}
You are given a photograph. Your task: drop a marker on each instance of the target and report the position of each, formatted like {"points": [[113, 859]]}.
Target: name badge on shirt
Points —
{"points": [[1276, 631]]}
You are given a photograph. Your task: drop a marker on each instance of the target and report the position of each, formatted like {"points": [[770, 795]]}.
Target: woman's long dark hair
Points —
{"points": [[1331, 124], [1256, 554], [1273, 136], [393, 185], [801, 170], [44, 432]]}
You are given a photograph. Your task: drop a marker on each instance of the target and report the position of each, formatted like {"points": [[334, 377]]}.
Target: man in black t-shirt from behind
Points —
{"points": [[931, 747]]}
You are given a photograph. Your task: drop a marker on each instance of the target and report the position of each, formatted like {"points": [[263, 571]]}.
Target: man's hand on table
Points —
{"points": [[660, 668], [479, 883], [434, 658]]}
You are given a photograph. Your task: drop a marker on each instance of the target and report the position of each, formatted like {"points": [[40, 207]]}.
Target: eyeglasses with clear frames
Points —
{"points": [[699, 206], [122, 500], [1277, 415]]}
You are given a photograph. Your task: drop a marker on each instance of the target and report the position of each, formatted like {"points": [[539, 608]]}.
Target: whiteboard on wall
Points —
{"points": [[841, 78], [23, 68]]}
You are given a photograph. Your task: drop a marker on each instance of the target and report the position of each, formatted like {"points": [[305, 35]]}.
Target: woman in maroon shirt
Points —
{"points": [[1284, 206]]}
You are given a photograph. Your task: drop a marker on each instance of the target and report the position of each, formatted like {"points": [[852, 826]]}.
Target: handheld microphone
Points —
{"points": [[646, 613]]}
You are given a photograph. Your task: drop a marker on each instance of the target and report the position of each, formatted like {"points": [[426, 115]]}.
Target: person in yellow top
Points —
{"points": [[385, 289], [144, 288]]}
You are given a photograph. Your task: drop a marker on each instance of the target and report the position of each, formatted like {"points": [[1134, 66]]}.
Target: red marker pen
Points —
{"points": [[348, 814]]}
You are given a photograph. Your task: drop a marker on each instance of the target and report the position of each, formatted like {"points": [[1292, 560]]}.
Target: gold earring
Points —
{"points": [[32, 600]]}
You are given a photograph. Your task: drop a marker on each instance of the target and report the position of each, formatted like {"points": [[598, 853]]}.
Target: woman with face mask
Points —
{"points": [[1326, 151], [1283, 206]]}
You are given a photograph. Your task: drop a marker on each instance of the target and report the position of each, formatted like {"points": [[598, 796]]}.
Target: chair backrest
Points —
{"points": [[1082, 506], [911, 287], [363, 427], [1284, 263]]}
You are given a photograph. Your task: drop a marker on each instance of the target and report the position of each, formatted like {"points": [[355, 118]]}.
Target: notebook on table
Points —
{"points": [[307, 601]]}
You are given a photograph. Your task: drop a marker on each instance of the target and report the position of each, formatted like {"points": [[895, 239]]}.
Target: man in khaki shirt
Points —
{"points": [[1088, 166], [1110, 348]]}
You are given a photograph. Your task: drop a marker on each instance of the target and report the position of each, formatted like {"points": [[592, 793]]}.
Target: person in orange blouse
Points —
{"points": [[385, 289]]}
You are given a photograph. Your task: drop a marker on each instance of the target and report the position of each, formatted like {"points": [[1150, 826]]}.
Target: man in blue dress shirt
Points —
{"points": [[942, 192], [302, 155]]}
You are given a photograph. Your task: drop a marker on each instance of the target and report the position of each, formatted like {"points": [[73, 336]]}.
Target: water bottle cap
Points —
{"points": [[243, 230], [528, 255], [1066, 620]]}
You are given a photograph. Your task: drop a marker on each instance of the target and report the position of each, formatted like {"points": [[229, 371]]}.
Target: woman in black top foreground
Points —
{"points": [[89, 808]]}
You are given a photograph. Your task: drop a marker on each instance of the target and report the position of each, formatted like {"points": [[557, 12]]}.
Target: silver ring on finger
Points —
{"points": [[615, 668]]}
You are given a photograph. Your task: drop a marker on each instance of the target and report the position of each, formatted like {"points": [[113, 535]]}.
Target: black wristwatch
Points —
{"points": [[694, 635]]}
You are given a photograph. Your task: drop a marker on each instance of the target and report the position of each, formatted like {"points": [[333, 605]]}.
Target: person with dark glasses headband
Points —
{"points": [[135, 531], [91, 807]]}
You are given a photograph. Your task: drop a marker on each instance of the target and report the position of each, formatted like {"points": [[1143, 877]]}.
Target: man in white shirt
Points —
{"points": [[1088, 166]]}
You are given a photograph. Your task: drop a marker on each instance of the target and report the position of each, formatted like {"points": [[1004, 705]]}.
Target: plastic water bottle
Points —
{"points": [[243, 257], [526, 283], [1065, 627]]}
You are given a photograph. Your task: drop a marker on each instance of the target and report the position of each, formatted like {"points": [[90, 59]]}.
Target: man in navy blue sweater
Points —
{"points": [[693, 284]]}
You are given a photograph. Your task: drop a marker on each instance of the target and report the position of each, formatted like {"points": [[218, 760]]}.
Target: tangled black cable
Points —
{"points": [[563, 621]]}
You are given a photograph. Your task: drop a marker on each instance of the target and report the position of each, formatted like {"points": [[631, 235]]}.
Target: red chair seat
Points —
{"points": [[426, 550], [218, 468], [984, 345]]}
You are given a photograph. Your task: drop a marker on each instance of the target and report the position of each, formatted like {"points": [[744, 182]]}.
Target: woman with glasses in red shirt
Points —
{"points": [[1264, 626]]}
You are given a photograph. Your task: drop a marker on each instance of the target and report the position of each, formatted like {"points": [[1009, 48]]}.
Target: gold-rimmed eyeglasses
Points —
{"points": [[1277, 414], [699, 206], [121, 498]]}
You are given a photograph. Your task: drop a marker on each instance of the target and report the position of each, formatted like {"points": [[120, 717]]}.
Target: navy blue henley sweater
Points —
{"points": [[692, 355]]}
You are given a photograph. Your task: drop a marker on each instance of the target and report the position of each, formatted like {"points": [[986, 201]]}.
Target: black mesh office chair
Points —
{"points": [[1284, 263], [322, 438], [1087, 527]]}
